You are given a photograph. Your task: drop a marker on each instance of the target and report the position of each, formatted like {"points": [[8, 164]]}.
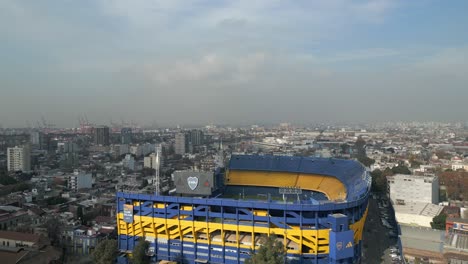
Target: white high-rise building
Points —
{"points": [[413, 188], [150, 161], [19, 158]]}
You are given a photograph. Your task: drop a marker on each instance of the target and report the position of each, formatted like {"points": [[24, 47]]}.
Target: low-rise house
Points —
{"points": [[24, 248]]}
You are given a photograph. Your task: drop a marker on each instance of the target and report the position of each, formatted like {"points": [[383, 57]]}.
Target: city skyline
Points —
{"points": [[199, 62]]}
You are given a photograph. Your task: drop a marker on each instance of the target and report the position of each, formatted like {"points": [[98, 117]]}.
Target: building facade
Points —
{"points": [[129, 162], [79, 181], [181, 146], [19, 158], [412, 188], [101, 136], [36, 138], [126, 135], [150, 161], [196, 137]]}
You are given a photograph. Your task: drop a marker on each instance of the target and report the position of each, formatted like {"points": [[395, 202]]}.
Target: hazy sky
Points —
{"points": [[255, 61]]}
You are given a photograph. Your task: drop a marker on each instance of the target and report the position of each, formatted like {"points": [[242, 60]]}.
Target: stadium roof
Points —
{"points": [[349, 172]]}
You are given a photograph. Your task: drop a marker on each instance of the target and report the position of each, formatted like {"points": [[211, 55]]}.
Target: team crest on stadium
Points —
{"points": [[192, 182], [339, 245]]}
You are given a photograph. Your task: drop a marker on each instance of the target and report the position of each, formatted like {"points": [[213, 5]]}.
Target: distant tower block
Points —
{"points": [[157, 167]]}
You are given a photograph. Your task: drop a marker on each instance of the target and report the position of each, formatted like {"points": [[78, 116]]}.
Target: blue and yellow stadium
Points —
{"points": [[316, 207]]}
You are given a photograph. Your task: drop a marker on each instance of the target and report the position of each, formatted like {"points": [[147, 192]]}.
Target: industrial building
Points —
{"points": [[315, 206]]}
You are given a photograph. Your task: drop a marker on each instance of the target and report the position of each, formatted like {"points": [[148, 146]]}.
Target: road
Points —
{"points": [[376, 239]]}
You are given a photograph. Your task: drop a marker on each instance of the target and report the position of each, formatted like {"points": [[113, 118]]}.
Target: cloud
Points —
{"points": [[449, 61], [366, 54], [376, 10], [216, 60], [210, 67]]}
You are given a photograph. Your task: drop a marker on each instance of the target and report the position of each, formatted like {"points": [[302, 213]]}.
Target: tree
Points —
{"points": [[139, 252], [344, 148], [19, 187], [366, 161], [148, 171], [7, 180], [105, 252], [56, 200], [438, 222], [143, 184], [401, 169], [379, 180], [360, 147], [53, 230], [270, 252], [79, 212]]}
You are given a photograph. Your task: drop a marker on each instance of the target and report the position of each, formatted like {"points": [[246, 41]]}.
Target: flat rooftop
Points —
{"points": [[424, 209]]}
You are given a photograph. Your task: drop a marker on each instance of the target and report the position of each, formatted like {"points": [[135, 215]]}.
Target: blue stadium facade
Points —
{"points": [[321, 223]]}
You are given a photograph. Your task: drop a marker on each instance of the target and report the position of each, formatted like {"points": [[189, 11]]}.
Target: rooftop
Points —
{"points": [[412, 176], [19, 236], [424, 209]]}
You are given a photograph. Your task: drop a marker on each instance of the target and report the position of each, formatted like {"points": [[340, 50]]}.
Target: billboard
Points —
{"points": [[194, 182], [128, 213], [460, 226]]}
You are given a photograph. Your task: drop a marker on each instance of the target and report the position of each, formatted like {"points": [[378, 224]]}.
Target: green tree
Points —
{"points": [[139, 252], [360, 146], [148, 171], [19, 187], [379, 180], [401, 169], [7, 180], [438, 222], [344, 148], [56, 200], [366, 161], [105, 252], [143, 184], [53, 230], [270, 252], [79, 212]]}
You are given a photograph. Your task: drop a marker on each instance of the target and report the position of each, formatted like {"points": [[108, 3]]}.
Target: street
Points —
{"points": [[377, 242]]}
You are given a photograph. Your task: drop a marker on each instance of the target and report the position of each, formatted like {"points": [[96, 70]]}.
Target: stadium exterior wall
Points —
{"points": [[221, 230]]}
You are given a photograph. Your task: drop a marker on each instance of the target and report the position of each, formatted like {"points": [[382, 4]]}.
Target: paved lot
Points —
{"points": [[376, 239]]}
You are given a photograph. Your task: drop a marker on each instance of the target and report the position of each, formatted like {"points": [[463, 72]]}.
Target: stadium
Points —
{"points": [[315, 206]]}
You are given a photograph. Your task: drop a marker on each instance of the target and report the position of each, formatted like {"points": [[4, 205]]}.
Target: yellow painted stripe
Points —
{"points": [[316, 240], [333, 188]]}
